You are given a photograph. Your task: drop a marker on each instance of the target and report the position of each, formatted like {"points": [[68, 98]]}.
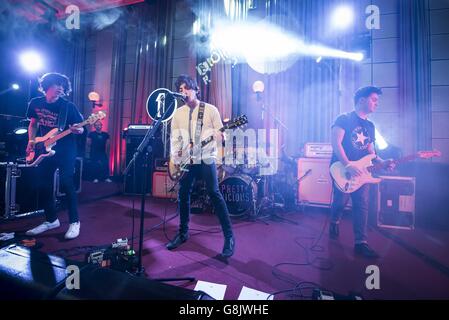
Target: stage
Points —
{"points": [[274, 252]]}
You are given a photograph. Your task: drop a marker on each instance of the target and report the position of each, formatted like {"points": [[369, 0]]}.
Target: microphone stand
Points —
{"points": [[276, 119], [145, 148], [270, 182]]}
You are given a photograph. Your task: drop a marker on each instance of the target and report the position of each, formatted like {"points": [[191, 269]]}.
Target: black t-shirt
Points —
{"points": [[98, 145], [359, 133], [47, 115]]}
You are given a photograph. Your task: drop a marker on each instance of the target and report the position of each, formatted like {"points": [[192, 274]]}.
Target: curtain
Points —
{"points": [[143, 42], [414, 75], [217, 89], [302, 101]]}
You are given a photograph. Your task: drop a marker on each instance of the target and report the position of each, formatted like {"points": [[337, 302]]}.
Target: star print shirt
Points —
{"points": [[359, 133]]}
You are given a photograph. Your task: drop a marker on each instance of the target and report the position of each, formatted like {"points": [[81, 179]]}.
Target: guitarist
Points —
{"points": [[46, 113], [353, 137], [187, 128]]}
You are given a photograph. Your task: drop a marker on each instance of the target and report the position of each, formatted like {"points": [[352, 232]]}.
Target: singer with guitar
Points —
{"points": [[47, 113], [353, 137], [190, 125]]}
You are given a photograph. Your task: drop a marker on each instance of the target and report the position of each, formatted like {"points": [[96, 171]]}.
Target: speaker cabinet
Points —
{"points": [[163, 186], [396, 202], [134, 178], [315, 182], [19, 195], [77, 179]]}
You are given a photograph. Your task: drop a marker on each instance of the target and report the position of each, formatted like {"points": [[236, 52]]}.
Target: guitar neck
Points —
{"points": [[210, 138], [408, 158], [63, 134]]}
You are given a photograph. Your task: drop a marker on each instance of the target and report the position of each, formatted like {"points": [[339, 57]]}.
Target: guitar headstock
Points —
{"points": [[94, 117], [237, 122], [428, 154]]}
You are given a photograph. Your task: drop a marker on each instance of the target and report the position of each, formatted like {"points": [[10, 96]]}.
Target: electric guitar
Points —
{"points": [[43, 146], [176, 171], [348, 184]]}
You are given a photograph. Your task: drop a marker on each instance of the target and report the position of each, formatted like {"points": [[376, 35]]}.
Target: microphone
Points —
{"points": [[178, 95]]}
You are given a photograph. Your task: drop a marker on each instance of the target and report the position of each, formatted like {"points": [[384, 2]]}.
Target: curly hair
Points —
{"points": [[54, 78]]}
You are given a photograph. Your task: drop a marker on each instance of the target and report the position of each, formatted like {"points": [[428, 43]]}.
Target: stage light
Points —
{"points": [[22, 128], [381, 143], [342, 17], [94, 97], [358, 56], [196, 27], [31, 61], [258, 86], [267, 48], [14, 86]]}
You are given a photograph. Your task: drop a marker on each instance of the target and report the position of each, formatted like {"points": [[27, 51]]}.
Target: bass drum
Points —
{"points": [[239, 193]]}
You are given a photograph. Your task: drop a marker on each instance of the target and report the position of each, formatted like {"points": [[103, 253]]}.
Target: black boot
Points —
{"points": [[228, 248], [334, 230], [179, 239], [364, 250]]}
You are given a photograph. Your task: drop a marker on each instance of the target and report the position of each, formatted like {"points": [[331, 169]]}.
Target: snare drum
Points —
{"points": [[240, 194]]}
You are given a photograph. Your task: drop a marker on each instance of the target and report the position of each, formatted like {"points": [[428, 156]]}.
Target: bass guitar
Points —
{"points": [[43, 146]]}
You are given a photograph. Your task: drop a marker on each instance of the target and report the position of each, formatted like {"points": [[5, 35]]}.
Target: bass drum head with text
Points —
{"points": [[239, 193]]}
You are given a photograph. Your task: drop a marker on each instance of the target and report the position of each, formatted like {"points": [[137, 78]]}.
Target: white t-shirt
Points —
{"points": [[180, 138]]}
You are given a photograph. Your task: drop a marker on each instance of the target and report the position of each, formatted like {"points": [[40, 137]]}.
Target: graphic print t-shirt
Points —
{"points": [[359, 133], [47, 115]]}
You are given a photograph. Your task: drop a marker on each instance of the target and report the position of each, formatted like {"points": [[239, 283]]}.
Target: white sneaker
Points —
{"points": [[108, 180], [96, 181], [43, 227], [74, 231]]}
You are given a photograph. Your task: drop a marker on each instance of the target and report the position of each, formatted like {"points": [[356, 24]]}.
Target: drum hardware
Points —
{"points": [[272, 203]]}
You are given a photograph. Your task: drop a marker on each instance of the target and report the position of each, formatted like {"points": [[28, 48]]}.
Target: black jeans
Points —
{"points": [[209, 174], [360, 207], [65, 161], [100, 167]]}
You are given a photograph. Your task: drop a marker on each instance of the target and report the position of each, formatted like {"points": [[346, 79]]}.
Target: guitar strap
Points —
{"points": [[198, 129], [62, 119]]}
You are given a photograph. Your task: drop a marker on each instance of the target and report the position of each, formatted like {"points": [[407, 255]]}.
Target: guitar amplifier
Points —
{"points": [[317, 150], [18, 195], [139, 130], [315, 182], [396, 202], [162, 186], [161, 164], [77, 178]]}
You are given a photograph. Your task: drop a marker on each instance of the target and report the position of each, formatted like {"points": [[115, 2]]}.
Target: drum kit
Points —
{"points": [[247, 192]]}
